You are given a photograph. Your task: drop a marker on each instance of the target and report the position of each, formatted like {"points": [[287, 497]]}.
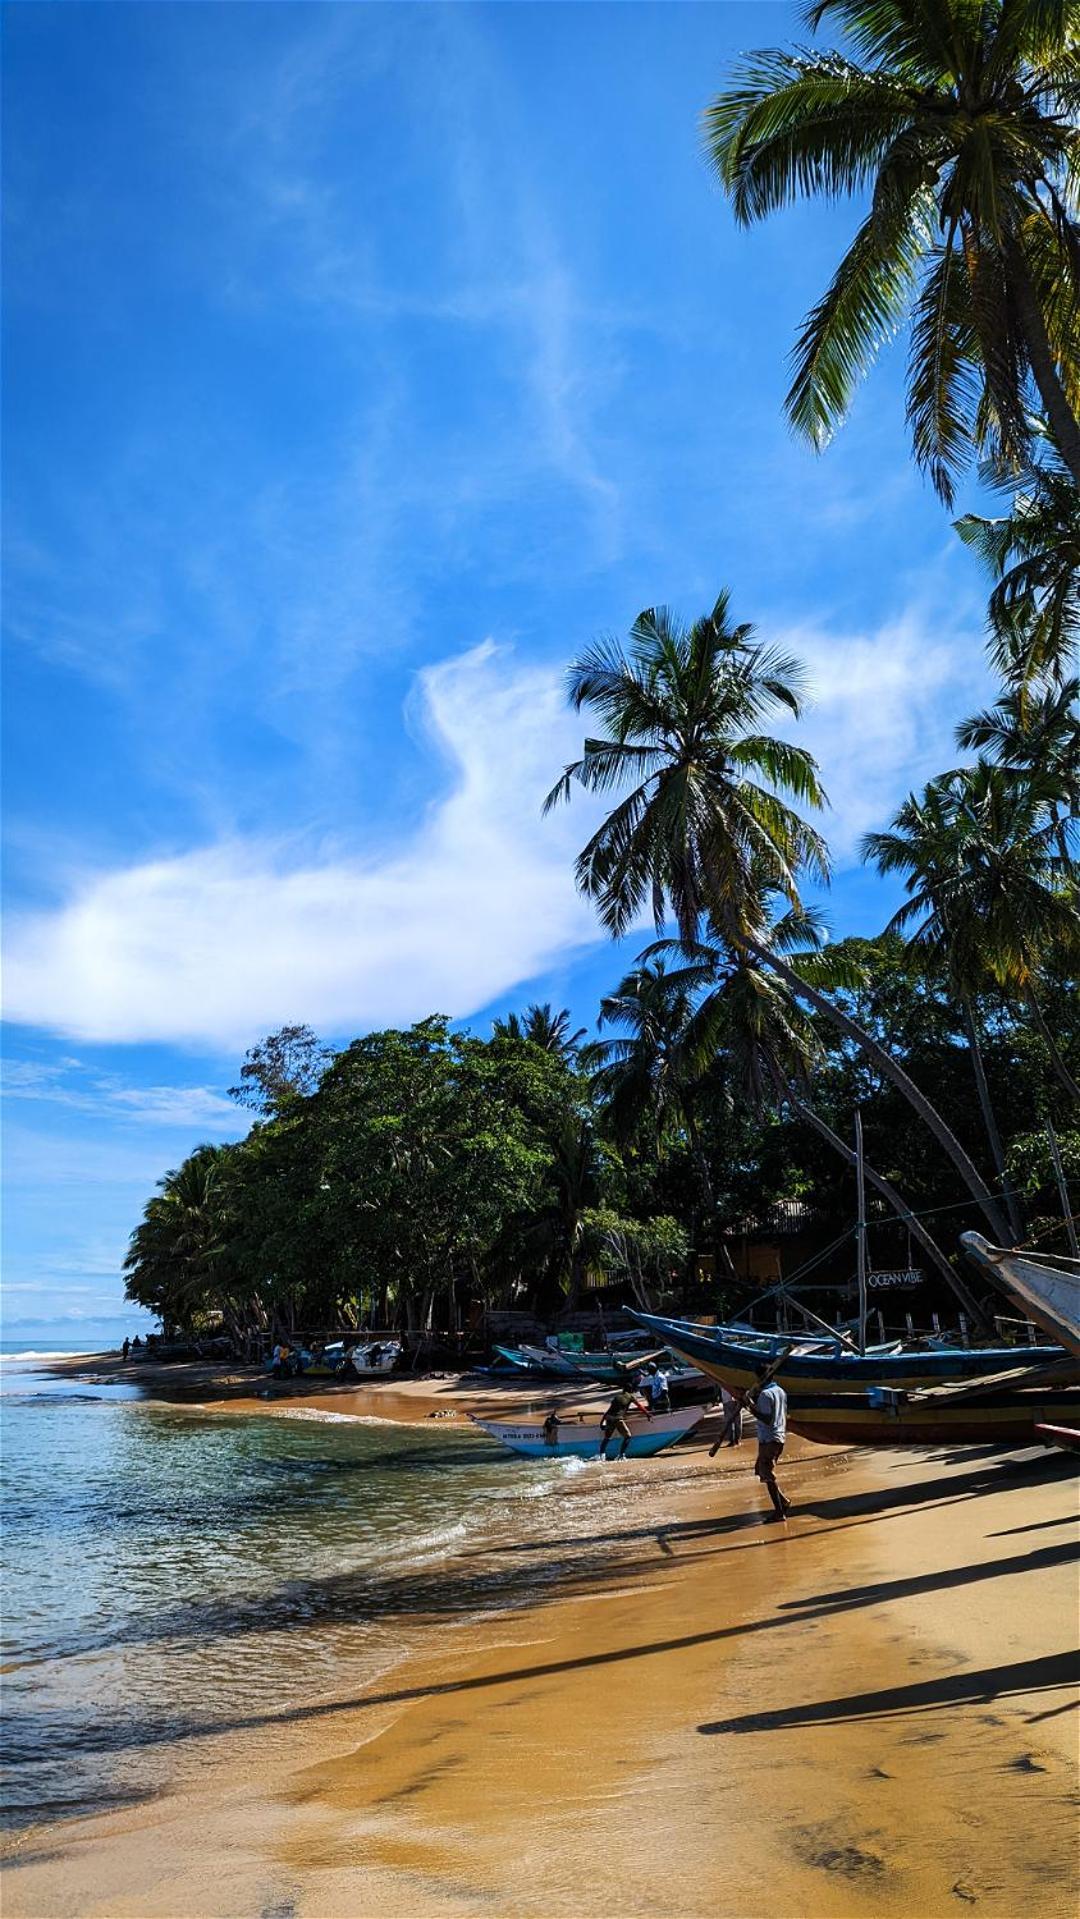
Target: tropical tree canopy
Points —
{"points": [[958, 121]]}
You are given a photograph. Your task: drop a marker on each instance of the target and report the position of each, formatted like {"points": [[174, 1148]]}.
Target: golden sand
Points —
{"points": [[870, 1710]]}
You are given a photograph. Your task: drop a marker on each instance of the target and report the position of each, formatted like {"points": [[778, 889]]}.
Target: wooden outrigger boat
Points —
{"points": [[805, 1370], [578, 1435]]}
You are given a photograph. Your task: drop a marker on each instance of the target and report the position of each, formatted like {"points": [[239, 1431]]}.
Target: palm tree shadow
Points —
{"points": [[1049, 1673]]}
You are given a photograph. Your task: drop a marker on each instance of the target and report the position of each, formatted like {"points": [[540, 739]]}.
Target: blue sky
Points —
{"points": [[362, 363]]}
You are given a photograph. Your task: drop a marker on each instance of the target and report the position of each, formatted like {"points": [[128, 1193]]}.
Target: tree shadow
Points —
{"points": [[855, 1508], [1049, 1673], [103, 1737]]}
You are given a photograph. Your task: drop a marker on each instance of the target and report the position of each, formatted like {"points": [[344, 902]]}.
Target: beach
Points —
{"points": [[633, 1695]]}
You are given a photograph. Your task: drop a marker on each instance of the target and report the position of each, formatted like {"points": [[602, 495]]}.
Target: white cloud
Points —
{"points": [[230, 940], [885, 705], [233, 939]]}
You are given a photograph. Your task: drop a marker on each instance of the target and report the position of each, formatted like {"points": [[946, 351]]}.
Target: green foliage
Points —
{"points": [[959, 123]]}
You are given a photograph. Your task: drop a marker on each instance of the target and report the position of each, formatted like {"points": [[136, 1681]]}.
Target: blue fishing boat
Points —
{"points": [[807, 1371]]}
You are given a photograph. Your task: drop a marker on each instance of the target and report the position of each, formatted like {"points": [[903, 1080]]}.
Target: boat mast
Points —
{"points": [[860, 1184]]}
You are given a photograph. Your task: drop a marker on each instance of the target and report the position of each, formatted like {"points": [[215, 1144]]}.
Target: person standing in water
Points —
{"points": [[768, 1403], [614, 1420]]}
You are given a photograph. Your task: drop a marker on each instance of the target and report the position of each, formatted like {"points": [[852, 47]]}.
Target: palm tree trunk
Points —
{"points": [[990, 1120], [889, 1193], [1056, 1060], [893, 1071], [1060, 417]]}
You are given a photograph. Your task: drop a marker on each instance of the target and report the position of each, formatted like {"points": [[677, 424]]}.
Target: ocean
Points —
{"points": [[171, 1573]]}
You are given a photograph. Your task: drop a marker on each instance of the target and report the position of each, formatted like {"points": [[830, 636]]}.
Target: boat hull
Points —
{"points": [[1007, 1418], [582, 1440], [736, 1366]]}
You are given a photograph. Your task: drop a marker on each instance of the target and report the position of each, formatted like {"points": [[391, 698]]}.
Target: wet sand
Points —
{"points": [[682, 1712]]}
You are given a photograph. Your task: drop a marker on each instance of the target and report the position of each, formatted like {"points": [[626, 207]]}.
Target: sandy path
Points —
{"points": [[869, 1711]]}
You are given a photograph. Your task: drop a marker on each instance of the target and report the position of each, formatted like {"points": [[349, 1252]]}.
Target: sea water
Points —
{"points": [[171, 1573]]}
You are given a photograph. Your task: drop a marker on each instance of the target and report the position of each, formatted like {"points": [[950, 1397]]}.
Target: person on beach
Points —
{"points": [[768, 1403], [614, 1420], [551, 1427], [658, 1388], [126, 1348], [733, 1419]]}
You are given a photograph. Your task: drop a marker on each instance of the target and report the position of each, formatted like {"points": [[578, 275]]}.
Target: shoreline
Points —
{"points": [[403, 1398], [865, 1711]]}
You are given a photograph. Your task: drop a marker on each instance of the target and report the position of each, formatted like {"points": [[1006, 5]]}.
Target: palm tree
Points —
{"points": [[174, 1257], [544, 1028], [985, 898], [682, 709], [1036, 733], [961, 123], [930, 843], [1033, 553], [644, 1074], [771, 1046]]}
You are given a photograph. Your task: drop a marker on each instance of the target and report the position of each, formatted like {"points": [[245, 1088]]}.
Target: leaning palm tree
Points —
{"points": [[930, 843], [771, 1046], [1033, 554], [705, 828], [987, 899], [959, 119]]}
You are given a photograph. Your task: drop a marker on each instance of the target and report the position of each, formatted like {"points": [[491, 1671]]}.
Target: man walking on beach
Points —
{"points": [[768, 1403]]}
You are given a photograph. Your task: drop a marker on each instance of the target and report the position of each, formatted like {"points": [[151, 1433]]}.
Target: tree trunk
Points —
{"points": [[893, 1071], [990, 1121], [911, 1221], [1060, 417], [1056, 1060]]}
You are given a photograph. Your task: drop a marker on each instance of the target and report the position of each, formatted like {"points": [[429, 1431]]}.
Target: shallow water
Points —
{"points": [[170, 1571]]}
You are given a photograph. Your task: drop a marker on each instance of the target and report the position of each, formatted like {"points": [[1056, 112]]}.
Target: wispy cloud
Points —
{"points": [[883, 713], [68, 1083]]}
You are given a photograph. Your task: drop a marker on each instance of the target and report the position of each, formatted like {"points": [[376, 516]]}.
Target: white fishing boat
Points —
{"points": [[578, 1435]]}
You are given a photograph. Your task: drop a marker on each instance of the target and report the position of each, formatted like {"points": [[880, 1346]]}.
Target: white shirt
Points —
{"points": [[771, 1415]]}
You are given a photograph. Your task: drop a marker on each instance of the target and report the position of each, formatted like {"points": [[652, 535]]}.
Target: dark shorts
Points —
{"points": [[610, 1426], [768, 1452]]}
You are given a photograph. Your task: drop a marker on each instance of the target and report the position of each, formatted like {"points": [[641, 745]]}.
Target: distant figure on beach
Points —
{"points": [[614, 1420], [136, 1344], [126, 1348], [768, 1403], [551, 1427]]}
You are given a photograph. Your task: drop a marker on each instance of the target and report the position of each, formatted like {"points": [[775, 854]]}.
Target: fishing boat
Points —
{"points": [[804, 1370], [1014, 1416], [578, 1435], [1046, 1289], [538, 1361]]}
